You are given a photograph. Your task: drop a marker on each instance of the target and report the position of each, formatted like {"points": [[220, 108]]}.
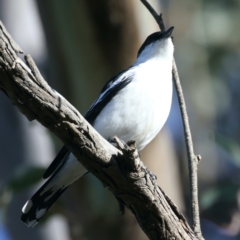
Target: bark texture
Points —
{"points": [[120, 170]]}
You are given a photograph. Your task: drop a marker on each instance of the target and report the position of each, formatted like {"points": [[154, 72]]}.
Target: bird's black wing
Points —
{"points": [[110, 89], [56, 163]]}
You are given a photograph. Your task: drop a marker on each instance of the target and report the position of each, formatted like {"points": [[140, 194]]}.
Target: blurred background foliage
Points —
{"points": [[78, 46]]}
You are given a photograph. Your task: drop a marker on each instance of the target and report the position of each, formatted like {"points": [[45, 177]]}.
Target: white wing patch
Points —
{"points": [[27, 206], [40, 213]]}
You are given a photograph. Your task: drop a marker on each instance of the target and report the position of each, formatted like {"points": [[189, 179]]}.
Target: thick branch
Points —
{"points": [[192, 158], [121, 171]]}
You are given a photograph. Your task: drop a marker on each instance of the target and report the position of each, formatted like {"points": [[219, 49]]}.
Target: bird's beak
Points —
{"points": [[168, 33]]}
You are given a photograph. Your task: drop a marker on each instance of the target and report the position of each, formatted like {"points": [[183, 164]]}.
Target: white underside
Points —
{"points": [[140, 110], [137, 112]]}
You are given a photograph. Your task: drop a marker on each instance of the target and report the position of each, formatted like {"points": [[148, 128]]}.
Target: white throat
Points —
{"points": [[158, 51]]}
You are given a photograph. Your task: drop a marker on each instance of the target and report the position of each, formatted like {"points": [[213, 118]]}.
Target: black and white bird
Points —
{"points": [[133, 105]]}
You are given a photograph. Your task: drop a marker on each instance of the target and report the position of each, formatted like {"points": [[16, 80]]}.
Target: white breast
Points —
{"points": [[139, 111]]}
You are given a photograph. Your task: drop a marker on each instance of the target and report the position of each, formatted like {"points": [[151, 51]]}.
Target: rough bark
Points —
{"points": [[80, 47], [120, 170]]}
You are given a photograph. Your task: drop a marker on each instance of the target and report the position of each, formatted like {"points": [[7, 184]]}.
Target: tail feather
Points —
{"points": [[35, 208], [45, 197]]}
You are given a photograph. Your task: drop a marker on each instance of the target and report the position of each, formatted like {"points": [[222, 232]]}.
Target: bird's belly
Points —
{"points": [[137, 113]]}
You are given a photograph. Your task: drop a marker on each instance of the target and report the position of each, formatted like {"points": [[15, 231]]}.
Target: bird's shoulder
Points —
{"points": [[109, 90], [116, 80]]}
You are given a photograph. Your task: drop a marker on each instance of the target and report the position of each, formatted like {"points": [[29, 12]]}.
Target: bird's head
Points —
{"points": [[158, 44]]}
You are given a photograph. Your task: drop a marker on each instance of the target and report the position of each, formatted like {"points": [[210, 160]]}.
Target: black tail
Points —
{"points": [[65, 174], [38, 205]]}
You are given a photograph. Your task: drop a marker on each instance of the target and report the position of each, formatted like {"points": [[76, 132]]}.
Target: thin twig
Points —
{"points": [[192, 158], [157, 17]]}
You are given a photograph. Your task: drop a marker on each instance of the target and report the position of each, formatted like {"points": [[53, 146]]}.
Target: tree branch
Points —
{"points": [[120, 170], [193, 160]]}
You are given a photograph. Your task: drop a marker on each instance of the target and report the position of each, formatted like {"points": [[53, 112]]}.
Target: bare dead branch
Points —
{"points": [[192, 158], [120, 170]]}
